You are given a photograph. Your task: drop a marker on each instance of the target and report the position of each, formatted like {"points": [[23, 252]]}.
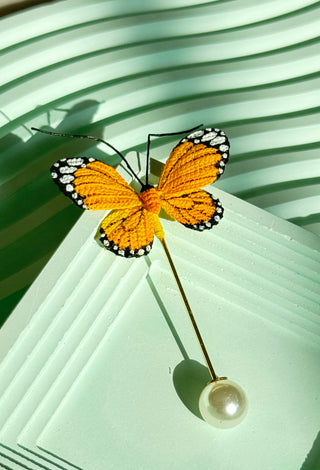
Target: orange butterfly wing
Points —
{"points": [[198, 160], [93, 185], [197, 210], [127, 231]]}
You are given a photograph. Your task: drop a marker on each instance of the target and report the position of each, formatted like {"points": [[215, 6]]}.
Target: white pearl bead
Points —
{"points": [[223, 403]]}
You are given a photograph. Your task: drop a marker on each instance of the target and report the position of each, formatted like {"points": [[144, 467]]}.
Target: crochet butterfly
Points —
{"points": [[129, 229]]}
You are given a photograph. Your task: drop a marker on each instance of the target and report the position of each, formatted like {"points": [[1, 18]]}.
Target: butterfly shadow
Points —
{"points": [[189, 376], [30, 210]]}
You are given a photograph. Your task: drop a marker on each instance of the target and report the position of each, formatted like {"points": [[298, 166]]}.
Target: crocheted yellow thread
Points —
{"points": [[197, 161]]}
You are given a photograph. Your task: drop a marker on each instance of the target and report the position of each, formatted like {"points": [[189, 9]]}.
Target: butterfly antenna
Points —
{"points": [[163, 135], [96, 139]]}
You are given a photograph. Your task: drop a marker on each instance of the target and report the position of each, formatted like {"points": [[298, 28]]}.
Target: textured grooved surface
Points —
{"points": [[93, 322]]}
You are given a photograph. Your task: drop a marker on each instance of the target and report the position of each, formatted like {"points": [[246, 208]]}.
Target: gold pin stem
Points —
{"points": [[185, 300]]}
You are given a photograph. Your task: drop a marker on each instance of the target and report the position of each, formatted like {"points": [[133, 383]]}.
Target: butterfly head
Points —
{"points": [[150, 199]]}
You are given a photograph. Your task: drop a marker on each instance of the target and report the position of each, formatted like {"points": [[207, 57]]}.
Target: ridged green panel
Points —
{"points": [[98, 340], [121, 69]]}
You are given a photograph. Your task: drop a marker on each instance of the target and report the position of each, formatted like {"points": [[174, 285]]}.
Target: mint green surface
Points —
{"points": [[100, 363]]}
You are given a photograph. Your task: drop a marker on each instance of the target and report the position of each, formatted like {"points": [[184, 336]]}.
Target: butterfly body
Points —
{"points": [[128, 230], [150, 199]]}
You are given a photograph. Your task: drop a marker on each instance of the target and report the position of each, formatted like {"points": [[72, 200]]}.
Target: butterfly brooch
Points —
{"points": [[129, 229]]}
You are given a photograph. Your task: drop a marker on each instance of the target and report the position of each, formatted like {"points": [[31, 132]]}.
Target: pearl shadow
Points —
{"points": [[312, 461], [189, 379], [189, 376]]}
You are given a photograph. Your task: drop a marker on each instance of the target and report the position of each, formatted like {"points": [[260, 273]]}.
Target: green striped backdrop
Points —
{"points": [[121, 69]]}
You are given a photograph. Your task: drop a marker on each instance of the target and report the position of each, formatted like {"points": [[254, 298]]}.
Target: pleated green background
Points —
{"points": [[121, 69]]}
